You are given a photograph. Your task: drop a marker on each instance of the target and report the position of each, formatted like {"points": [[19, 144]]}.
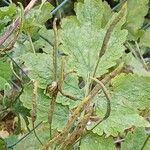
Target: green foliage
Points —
{"points": [[80, 39], [135, 140], [145, 39], [39, 66], [5, 73], [6, 14], [3, 144], [124, 106], [61, 112], [135, 17], [34, 20], [93, 141]]}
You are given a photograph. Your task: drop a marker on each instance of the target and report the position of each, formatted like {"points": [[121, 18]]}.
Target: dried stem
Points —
{"points": [[108, 35], [16, 23], [144, 144], [55, 49], [108, 98], [69, 95], [78, 130], [34, 108], [62, 78], [54, 86], [82, 104], [142, 60]]}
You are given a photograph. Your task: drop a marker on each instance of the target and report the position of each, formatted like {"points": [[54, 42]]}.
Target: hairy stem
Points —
{"points": [[55, 91], [34, 108], [108, 35], [80, 107]]}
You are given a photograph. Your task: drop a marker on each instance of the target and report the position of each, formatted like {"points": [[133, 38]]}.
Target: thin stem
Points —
{"points": [[128, 45], [69, 95], [31, 43], [108, 35], [59, 13], [5, 2], [142, 60], [85, 102], [14, 144], [118, 5], [78, 130], [148, 137], [34, 108], [53, 93], [108, 98], [107, 114], [59, 6], [55, 48], [146, 26], [16, 23]]}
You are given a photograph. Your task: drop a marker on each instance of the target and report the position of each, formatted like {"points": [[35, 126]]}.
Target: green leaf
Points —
{"points": [[95, 142], [145, 39], [71, 86], [137, 9], [39, 66], [5, 70], [60, 114], [129, 94], [7, 11], [135, 140], [31, 142], [37, 17], [136, 65], [2, 144], [82, 38], [2, 83]]}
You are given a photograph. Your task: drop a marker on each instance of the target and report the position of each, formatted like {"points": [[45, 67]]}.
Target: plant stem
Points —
{"points": [[148, 137], [108, 35], [142, 60], [79, 108], [55, 92], [31, 43], [34, 108], [16, 23]]}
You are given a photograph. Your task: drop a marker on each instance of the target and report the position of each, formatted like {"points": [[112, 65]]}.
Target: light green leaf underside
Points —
{"points": [[129, 94], [31, 142], [2, 83], [145, 39], [39, 66], [82, 38], [95, 142], [136, 65], [60, 114], [5, 70], [135, 140], [137, 9], [71, 86]]}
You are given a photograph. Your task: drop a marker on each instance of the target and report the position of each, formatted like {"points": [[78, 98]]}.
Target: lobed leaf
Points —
{"points": [[82, 38], [129, 94]]}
